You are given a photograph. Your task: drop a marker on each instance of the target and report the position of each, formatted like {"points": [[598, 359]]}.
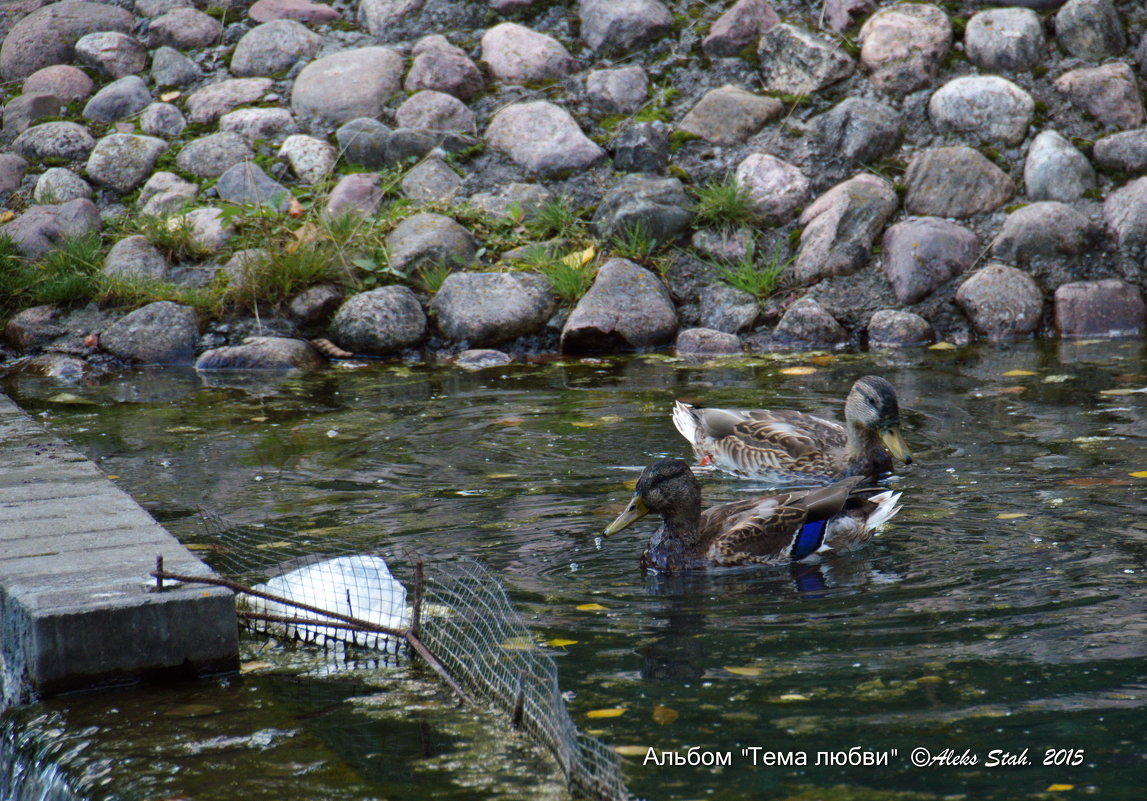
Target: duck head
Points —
{"points": [[669, 488], [872, 406]]}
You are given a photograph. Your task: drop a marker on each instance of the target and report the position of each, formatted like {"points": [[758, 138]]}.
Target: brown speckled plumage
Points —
{"points": [[793, 447], [761, 530]]}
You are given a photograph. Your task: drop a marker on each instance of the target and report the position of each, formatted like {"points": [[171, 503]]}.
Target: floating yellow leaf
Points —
{"points": [[1138, 474], [792, 697], [6, 215], [277, 544], [615, 712], [501, 475], [797, 370], [580, 258], [590, 608], [167, 97], [585, 423], [1057, 379], [112, 477], [942, 346], [631, 750], [557, 642], [1011, 515], [610, 418], [197, 546], [823, 359], [930, 680], [260, 419], [1059, 788], [663, 714], [744, 671], [1118, 391], [1013, 373]]}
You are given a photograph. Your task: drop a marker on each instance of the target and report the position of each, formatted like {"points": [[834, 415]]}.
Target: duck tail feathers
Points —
{"points": [[887, 505], [685, 420]]}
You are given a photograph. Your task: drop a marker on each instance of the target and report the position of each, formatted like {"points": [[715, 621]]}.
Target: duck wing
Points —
{"points": [[774, 528], [760, 442]]}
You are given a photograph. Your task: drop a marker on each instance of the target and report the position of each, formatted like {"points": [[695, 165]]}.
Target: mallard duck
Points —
{"points": [[764, 530], [793, 447]]}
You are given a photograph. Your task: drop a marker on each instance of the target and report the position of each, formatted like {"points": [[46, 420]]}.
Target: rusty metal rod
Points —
{"points": [[247, 614], [235, 586], [431, 660]]}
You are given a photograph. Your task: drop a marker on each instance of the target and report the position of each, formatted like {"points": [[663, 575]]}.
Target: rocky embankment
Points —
{"points": [[920, 171]]}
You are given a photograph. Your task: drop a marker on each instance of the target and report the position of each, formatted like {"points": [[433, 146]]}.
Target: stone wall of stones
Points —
{"points": [[954, 171]]}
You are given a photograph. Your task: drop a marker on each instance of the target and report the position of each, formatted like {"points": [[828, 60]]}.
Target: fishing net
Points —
{"points": [[453, 613]]}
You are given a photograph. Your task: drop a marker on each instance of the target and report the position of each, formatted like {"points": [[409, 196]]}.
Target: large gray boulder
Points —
{"points": [[262, 353], [346, 85], [657, 207], [124, 161], [902, 46], [273, 47], [1005, 39], [922, 253], [1056, 170], [955, 182], [859, 129], [380, 322], [48, 35], [487, 309], [158, 333], [794, 61], [41, 228], [729, 115], [987, 106], [518, 55], [55, 140], [1108, 308], [840, 227], [1049, 229], [622, 26], [429, 239], [627, 307], [1001, 302], [555, 145]]}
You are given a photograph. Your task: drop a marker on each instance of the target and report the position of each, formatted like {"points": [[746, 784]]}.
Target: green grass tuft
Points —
{"points": [[723, 204]]}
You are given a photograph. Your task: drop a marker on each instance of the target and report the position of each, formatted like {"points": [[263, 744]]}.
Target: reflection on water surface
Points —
{"points": [[1004, 608]]}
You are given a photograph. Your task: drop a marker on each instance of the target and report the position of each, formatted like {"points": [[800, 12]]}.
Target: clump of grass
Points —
{"points": [[173, 235], [135, 291], [633, 241], [68, 273], [749, 274], [570, 276], [723, 204], [432, 276], [555, 219]]}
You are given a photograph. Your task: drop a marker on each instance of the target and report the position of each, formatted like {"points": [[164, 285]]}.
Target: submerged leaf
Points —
{"points": [[71, 399], [792, 697], [942, 346], [1059, 788], [1138, 474], [590, 608], [1011, 515], [1012, 373], [615, 712], [797, 370], [557, 642], [744, 671], [663, 714]]}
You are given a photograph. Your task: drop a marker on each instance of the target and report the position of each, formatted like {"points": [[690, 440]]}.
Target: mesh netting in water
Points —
{"points": [[457, 616]]}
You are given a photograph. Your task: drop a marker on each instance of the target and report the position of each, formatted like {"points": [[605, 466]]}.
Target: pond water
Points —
{"points": [[1003, 610]]}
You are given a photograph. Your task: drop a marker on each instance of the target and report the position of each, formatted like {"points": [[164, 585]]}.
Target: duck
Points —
{"points": [[767, 530], [787, 447]]}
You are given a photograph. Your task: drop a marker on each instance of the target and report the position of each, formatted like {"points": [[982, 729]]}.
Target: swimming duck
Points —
{"points": [[793, 447], [765, 530]]}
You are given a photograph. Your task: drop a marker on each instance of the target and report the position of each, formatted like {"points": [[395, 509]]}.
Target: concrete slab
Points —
{"points": [[77, 607]]}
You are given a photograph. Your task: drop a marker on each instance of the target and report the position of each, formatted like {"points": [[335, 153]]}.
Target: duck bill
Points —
{"points": [[895, 444], [634, 512]]}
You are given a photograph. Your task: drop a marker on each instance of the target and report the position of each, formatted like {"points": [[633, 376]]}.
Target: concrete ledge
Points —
{"points": [[77, 607]]}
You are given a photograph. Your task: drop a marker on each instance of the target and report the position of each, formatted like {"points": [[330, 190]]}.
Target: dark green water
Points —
{"points": [[955, 629]]}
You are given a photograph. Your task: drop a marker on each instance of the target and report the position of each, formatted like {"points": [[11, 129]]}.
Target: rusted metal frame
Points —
{"points": [[352, 622], [235, 586]]}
